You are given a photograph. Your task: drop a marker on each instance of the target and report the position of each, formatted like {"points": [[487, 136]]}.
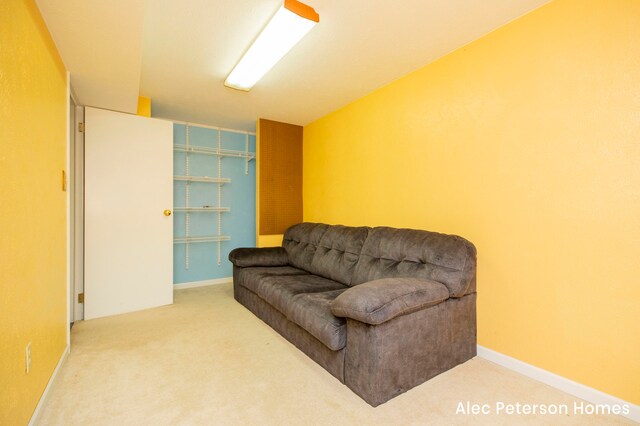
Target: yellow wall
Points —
{"points": [[526, 142], [269, 240], [144, 106], [33, 213]]}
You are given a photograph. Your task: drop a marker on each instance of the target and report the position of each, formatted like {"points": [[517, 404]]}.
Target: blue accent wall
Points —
{"points": [[239, 195]]}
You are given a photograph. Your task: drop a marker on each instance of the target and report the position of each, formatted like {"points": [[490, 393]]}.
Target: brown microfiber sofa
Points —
{"points": [[381, 309]]}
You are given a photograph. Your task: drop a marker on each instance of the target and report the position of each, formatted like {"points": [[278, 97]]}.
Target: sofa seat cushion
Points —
{"points": [[278, 291], [250, 277], [312, 311]]}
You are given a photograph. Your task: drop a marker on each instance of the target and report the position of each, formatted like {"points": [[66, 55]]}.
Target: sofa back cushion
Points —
{"points": [[338, 252], [301, 241], [390, 252]]}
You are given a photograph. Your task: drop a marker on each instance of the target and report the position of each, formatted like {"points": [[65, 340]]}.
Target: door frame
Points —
{"points": [[70, 177], [78, 205], [75, 207]]}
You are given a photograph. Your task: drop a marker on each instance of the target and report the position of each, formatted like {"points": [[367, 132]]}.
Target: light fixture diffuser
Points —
{"points": [[290, 23]]}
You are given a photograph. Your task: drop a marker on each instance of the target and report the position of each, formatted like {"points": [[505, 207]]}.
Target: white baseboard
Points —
{"points": [[586, 393], [45, 394], [204, 283]]}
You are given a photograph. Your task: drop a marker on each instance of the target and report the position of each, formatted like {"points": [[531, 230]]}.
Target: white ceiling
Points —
{"points": [[100, 43], [187, 48]]}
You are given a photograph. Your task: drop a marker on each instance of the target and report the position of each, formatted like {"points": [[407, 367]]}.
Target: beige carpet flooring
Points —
{"points": [[206, 360]]}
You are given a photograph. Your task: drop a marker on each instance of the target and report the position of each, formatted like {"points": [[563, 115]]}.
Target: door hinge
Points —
{"points": [[80, 297], [81, 127]]}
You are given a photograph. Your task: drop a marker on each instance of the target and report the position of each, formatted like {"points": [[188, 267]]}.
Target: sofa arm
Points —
{"points": [[267, 256], [379, 301]]}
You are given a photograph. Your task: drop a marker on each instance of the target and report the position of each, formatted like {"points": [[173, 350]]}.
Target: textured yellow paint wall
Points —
{"points": [[269, 240], [526, 142], [144, 106], [33, 213]]}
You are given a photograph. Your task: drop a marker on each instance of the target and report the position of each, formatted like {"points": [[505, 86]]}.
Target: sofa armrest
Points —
{"points": [[379, 301], [267, 256]]}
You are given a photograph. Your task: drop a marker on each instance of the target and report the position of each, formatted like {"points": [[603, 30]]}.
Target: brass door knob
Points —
{"points": [[167, 212]]}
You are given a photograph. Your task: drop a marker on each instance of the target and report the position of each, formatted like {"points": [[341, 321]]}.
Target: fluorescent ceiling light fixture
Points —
{"points": [[290, 23]]}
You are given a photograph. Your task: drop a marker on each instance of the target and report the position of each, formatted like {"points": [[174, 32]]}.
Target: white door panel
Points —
{"points": [[128, 239]]}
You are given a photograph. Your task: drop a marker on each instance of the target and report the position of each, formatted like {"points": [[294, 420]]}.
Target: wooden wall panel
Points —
{"points": [[280, 176]]}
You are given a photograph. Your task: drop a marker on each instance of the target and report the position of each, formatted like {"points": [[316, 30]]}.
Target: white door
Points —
{"points": [[128, 237]]}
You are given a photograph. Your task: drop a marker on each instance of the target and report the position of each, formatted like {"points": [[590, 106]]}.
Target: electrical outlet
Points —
{"points": [[27, 358]]}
